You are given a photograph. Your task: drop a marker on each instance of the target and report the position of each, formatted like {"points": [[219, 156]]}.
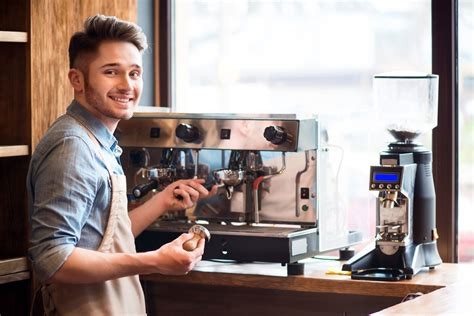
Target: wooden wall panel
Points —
{"points": [[14, 118], [14, 298], [52, 24], [14, 103], [13, 15], [13, 207]]}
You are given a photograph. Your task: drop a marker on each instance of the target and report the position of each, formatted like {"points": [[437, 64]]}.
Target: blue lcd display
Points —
{"points": [[387, 177]]}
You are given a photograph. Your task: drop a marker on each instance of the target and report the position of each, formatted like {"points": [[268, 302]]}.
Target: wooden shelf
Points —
{"points": [[19, 37], [13, 151], [15, 269], [14, 277], [14, 265]]}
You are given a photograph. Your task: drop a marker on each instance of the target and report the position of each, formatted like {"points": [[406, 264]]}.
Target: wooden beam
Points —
{"points": [[444, 55]]}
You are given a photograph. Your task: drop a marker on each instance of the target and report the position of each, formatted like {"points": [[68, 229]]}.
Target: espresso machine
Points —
{"points": [[271, 176], [406, 233]]}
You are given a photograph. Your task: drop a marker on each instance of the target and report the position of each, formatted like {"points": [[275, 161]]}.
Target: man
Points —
{"points": [[82, 237]]}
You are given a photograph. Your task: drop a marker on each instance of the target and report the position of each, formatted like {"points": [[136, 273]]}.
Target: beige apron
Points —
{"points": [[123, 296]]}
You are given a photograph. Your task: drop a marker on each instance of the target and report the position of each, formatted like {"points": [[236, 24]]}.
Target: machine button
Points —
{"points": [[155, 132], [372, 185], [389, 186], [305, 208], [397, 186], [225, 133], [380, 186], [304, 194]]}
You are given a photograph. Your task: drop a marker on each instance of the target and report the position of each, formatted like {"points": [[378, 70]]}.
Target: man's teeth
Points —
{"points": [[120, 99]]}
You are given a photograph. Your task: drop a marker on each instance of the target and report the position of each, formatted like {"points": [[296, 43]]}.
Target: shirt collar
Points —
{"points": [[95, 126]]}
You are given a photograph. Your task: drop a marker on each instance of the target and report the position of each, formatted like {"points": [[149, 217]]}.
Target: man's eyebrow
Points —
{"points": [[118, 65]]}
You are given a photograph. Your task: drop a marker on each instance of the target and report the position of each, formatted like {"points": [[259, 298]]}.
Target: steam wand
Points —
{"points": [[256, 184]]}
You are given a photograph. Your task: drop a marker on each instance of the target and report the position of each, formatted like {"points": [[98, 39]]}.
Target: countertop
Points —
{"points": [[450, 285]]}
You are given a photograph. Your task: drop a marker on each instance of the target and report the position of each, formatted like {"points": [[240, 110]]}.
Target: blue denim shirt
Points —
{"points": [[69, 189]]}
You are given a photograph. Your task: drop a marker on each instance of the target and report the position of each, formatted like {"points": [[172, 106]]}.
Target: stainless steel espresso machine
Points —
{"points": [[406, 211], [270, 170]]}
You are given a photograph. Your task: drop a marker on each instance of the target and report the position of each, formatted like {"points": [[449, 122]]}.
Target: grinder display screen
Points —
{"points": [[387, 177]]}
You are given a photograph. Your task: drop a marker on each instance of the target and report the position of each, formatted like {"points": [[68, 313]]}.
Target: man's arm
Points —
{"points": [[190, 190], [88, 266]]}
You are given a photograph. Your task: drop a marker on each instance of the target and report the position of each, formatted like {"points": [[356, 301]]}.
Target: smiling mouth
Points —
{"points": [[121, 100]]}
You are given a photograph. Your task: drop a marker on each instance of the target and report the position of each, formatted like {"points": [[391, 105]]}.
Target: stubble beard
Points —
{"points": [[94, 100]]}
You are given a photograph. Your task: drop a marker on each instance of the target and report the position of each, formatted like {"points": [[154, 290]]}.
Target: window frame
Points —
{"points": [[162, 52], [445, 135]]}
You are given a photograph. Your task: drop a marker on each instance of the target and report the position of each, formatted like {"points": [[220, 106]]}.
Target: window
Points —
{"points": [[302, 57], [466, 131]]}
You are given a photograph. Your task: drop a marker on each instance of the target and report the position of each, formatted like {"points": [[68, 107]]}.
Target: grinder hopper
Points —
{"points": [[406, 103]]}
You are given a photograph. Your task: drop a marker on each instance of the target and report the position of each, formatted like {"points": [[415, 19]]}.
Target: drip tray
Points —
{"points": [[240, 243], [229, 229]]}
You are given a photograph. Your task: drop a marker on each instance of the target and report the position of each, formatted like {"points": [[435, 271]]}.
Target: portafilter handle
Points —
{"points": [[142, 189], [208, 185]]}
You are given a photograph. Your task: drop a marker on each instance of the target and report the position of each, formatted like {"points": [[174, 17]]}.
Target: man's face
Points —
{"points": [[113, 84]]}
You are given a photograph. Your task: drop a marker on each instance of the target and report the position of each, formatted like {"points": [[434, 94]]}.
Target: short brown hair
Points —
{"points": [[101, 28]]}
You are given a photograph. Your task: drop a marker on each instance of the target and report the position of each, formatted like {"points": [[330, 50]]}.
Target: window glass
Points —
{"points": [[303, 57], [466, 131]]}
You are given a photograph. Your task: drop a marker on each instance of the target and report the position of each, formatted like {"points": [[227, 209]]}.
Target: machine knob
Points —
{"points": [[187, 133], [276, 135]]}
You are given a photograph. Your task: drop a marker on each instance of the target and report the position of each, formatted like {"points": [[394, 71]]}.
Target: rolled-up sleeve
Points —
{"points": [[62, 186]]}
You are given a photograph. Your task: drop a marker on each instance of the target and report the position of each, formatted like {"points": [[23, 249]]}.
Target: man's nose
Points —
{"points": [[125, 83]]}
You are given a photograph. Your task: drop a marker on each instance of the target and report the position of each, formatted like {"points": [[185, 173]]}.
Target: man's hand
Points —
{"points": [[89, 266], [172, 259], [183, 194], [179, 195]]}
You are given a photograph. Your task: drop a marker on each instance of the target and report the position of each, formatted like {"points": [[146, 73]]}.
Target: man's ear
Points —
{"points": [[76, 78]]}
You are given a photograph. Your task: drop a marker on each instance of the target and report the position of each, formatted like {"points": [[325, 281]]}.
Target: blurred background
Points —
{"points": [[319, 57]]}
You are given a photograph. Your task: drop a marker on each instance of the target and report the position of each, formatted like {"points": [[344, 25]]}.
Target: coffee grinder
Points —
{"points": [[406, 232]]}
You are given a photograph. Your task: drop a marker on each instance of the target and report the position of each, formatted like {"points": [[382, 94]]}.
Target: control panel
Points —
{"points": [[209, 133], [386, 178]]}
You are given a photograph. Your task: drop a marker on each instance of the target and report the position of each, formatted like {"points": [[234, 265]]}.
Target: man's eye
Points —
{"points": [[110, 72], [135, 74]]}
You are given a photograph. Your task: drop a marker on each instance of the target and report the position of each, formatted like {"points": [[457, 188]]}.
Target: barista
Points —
{"points": [[82, 237]]}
